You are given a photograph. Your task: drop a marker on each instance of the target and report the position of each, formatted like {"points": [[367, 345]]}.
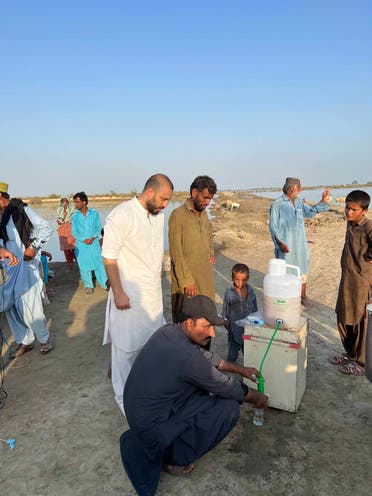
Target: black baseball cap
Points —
{"points": [[202, 306]]}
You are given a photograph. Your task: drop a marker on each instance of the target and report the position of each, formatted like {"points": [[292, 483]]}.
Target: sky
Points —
{"points": [[99, 95]]}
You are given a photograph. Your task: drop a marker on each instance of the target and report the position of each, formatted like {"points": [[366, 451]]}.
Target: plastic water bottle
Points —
{"points": [[258, 417]]}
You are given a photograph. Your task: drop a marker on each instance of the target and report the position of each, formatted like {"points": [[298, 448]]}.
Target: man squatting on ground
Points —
{"points": [[173, 418], [133, 253]]}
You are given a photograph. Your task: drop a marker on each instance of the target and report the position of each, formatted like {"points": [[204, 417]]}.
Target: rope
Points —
{"points": [[3, 363]]}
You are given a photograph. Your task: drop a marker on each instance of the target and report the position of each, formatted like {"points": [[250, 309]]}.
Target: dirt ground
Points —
{"points": [[61, 411]]}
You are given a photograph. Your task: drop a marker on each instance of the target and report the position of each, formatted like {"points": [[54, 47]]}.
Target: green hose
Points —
{"points": [[261, 380]]}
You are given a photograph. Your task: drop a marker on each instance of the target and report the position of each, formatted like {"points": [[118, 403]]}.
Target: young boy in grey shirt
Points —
{"points": [[239, 301]]}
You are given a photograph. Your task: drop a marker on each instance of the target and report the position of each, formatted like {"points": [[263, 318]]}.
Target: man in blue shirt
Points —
{"points": [[23, 232], [288, 229], [86, 229]]}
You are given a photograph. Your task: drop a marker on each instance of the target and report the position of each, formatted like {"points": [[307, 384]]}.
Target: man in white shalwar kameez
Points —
{"points": [[132, 251]]}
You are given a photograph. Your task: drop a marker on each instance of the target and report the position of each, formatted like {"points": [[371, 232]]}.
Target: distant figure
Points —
{"points": [[66, 239], [133, 253], [355, 289], [191, 246], [44, 259], [23, 232], [86, 228], [288, 229], [239, 301]]}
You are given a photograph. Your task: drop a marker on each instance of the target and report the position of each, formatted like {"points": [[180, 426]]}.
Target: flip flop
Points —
{"points": [[179, 471], [46, 347], [352, 368], [339, 359]]}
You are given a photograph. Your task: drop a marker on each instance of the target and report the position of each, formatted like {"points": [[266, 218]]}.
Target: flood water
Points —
{"points": [[315, 195]]}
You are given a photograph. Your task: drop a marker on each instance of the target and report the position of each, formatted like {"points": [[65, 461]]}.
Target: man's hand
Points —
{"points": [[284, 248], [191, 290], [121, 300], [29, 253], [4, 253], [326, 195], [88, 241], [259, 400], [250, 373]]}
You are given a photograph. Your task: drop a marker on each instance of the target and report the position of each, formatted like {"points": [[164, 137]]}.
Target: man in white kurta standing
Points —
{"points": [[132, 253]]}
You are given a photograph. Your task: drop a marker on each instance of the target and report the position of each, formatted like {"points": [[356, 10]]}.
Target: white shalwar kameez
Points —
{"points": [[135, 239]]}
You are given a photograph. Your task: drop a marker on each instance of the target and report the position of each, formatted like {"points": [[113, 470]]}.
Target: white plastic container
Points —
{"points": [[285, 366], [282, 295]]}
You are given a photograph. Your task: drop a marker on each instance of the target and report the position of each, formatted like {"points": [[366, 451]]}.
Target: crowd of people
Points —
{"points": [[172, 389], [23, 236]]}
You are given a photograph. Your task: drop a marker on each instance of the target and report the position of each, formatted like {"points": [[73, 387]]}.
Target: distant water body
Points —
{"points": [[314, 195], [49, 213]]}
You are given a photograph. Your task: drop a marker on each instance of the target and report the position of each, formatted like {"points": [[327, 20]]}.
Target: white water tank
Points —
{"points": [[282, 294]]}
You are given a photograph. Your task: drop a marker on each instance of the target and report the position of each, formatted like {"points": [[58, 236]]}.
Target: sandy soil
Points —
{"points": [[61, 410]]}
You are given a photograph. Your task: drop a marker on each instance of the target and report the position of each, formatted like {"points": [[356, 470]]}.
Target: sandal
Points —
{"points": [[46, 347], [179, 471], [352, 368], [339, 359], [21, 349]]}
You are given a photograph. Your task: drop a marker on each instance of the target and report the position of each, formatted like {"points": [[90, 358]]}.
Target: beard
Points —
{"points": [[152, 208], [197, 205]]}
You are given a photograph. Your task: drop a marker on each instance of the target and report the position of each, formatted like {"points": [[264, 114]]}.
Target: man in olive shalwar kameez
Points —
{"points": [[191, 246], [356, 285]]}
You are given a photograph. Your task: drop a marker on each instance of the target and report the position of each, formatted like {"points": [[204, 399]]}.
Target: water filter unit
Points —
{"points": [[285, 366], [282, 295]]}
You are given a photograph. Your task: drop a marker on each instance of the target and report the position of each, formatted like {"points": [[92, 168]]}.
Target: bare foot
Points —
{"points": [[179, 470]]}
